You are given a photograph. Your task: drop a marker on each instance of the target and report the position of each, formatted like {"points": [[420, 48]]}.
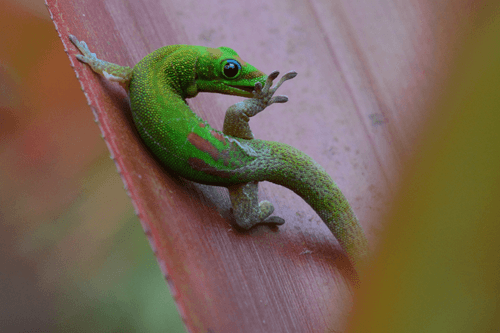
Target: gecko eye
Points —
{"points": [[231, 68]]}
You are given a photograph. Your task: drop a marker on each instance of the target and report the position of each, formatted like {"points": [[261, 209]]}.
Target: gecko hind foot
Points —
{"points": [[258, 215], [266, 209], [248, 212], [273, 221]]}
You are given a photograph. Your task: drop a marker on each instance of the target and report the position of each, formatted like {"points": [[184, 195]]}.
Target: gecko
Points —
{"points": [[158, 86]]}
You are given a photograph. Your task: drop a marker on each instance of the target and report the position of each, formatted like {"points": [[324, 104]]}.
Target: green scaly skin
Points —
{"points": [[186, 144]]}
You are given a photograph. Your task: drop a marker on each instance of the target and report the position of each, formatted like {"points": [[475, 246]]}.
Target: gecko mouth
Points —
{"points": [[244, 88]]}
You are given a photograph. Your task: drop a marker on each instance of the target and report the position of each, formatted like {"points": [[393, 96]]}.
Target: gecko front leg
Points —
{"points": [[247, 210], [239, 114], [112, 72]]}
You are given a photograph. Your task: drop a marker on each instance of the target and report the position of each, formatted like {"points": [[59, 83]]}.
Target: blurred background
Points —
{"points": [[74, 256]]}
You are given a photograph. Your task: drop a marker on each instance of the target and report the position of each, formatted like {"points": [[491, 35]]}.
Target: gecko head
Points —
{"points": [[227, 73]]}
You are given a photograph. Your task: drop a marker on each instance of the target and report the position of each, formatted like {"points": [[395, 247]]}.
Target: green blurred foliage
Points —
{"points": [[439, 266], [119, 287]]}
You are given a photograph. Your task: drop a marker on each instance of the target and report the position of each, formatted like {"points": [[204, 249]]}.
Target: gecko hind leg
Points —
{"points": [[110, 71], [247, 211]]}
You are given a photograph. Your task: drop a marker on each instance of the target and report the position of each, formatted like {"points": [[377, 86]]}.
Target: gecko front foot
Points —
{"points": [[238, 115], [264, 96], [110, 71]]}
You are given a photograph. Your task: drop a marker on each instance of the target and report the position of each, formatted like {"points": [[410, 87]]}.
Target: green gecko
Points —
{"points": [[186, 144]]}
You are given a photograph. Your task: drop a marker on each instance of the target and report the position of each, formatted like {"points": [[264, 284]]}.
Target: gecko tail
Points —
{"points": [[293, 169]]}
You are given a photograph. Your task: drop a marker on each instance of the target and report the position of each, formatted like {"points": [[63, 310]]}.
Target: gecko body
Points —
{"points": [[184, 143]]}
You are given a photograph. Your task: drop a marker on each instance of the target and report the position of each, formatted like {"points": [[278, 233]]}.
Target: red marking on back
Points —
{"points": [[200, 165], [202, 125], [203, 145], [218, 136]]}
